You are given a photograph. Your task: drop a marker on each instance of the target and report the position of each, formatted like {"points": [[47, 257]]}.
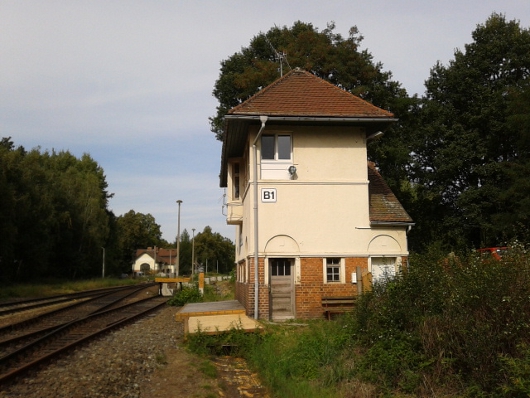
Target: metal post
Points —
{"points": [[178, 240], [263, 120], [193, 251]]}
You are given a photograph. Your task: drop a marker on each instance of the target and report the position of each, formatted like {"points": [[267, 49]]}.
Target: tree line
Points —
{"points": [[459, 157], [55, 221]]}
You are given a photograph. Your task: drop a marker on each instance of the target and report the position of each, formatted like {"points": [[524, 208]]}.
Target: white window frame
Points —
{"points": [[242, 272], [342, 270], [276, 147], [276, 169], [393, 267]]}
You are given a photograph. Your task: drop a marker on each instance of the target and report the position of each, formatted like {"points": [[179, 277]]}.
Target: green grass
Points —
{"points": [[208, 369], [215, 292], [56, 287]]}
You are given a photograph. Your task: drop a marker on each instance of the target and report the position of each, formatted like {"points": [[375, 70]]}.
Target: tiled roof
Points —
{"points": [[300, 93], [384, 206], [166, 256]]}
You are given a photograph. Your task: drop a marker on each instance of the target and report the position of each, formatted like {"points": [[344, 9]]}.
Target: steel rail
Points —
{"points": [[47, 322], [12, 307], [72, 335]]}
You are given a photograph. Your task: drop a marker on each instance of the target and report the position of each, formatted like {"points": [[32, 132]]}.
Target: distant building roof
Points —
{"points": [[384, 206], [163, 256]]}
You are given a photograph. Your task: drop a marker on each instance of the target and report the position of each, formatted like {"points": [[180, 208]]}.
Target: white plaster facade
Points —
{"points": [[323, 210]]}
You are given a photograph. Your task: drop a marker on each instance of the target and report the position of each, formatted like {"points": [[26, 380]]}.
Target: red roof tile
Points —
{"points": [[166, 256], [300, 93], [384, 206]]}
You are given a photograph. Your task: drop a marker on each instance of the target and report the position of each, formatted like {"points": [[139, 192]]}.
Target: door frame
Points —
{"points": [[292, 270]]}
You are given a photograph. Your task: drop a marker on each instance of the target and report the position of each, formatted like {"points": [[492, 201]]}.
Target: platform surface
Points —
{"points": [[213, 324], [210, 308], [172, 280], [216, 316]]}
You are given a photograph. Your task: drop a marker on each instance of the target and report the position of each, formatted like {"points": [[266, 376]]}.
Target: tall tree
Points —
{"points": [[185, 253], [471, 155], [54, 218], [136, 231], [214, 250]]}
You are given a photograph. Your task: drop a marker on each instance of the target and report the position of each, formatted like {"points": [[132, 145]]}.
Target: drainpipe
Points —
{"points": [[256, 234]]}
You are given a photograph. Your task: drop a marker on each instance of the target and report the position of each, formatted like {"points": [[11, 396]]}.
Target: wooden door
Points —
{"points": [[281, 288]]}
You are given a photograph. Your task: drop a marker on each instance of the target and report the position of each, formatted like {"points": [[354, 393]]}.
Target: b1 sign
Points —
{"points": [[268, 195]]}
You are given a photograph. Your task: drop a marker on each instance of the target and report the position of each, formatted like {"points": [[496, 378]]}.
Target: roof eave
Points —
{"points": [[391, 224], [315, 119]]}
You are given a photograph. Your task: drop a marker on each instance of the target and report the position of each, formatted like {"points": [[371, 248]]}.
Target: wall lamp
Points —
{"points": [[375, 135], [292, 171]]}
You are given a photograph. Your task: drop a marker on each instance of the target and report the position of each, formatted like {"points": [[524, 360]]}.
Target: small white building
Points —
{"points": [[155, 261]]}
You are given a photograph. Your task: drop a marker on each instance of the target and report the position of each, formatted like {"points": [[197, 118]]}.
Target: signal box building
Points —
{"points": [[307, 206]]}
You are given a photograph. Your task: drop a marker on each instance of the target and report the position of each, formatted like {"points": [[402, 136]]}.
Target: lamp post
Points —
{"points": [[103, 270], [193, 251], [178, 239]]}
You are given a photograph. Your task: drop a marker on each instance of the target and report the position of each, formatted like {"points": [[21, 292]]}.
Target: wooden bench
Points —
{"points": [[338, 305]]}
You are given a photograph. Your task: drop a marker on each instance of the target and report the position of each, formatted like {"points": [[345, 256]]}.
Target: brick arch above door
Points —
{"points": [[384, 245], [281, 245]]}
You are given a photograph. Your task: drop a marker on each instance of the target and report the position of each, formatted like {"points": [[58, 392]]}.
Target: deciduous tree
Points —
{"points": [[471, 152]]}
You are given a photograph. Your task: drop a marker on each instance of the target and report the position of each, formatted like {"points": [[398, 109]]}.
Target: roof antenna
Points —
{"points": [[279, 56]]}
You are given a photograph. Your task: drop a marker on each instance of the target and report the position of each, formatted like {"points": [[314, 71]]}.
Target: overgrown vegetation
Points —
{"points": [[216, 291], [450, 325]]}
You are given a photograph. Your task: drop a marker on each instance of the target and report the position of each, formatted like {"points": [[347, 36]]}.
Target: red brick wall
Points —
{"points": [[312, 288], [245, 292], [308, 294]]}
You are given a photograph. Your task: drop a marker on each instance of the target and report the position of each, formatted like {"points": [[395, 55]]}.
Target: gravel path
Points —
{"points": [[143, 360], [113, 366]]}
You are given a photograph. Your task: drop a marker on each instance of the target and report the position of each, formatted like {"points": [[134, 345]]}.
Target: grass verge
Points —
{"points": [[56, 287]]}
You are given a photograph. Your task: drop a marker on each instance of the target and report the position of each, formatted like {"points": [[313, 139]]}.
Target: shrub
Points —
{"points": [[448, 317], [188, 294]]}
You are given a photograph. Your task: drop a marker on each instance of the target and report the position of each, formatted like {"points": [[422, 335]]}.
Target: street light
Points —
{"points": [[103, 271], [193, 251], [178, 239]]}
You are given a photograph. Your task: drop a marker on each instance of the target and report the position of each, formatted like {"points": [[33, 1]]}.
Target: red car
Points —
{"points": [[496, 252]]}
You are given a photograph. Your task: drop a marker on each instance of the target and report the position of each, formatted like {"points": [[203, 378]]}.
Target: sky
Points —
{"points": [[130, 81]]}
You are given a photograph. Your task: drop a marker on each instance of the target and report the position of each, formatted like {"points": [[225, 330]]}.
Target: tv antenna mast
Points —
{"points": [[279, 56]]}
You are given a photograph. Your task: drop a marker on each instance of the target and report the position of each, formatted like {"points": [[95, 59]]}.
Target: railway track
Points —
{"points": [[17, 334], [20, 305], [42, 347]]}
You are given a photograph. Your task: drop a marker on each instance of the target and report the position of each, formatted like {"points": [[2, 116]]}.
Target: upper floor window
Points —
{"points": [[276, 147], [235, 172]]}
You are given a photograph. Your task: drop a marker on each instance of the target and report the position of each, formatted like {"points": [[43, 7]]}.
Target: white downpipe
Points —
{"points": [[256, 234]]}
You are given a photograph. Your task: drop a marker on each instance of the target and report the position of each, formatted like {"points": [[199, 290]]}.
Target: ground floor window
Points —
{"points": [[334, 270], [242, 272], [384, 268]]}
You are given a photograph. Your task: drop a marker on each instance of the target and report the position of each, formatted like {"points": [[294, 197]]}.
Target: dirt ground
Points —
{"points": [[187, 375], [183, 374]]}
